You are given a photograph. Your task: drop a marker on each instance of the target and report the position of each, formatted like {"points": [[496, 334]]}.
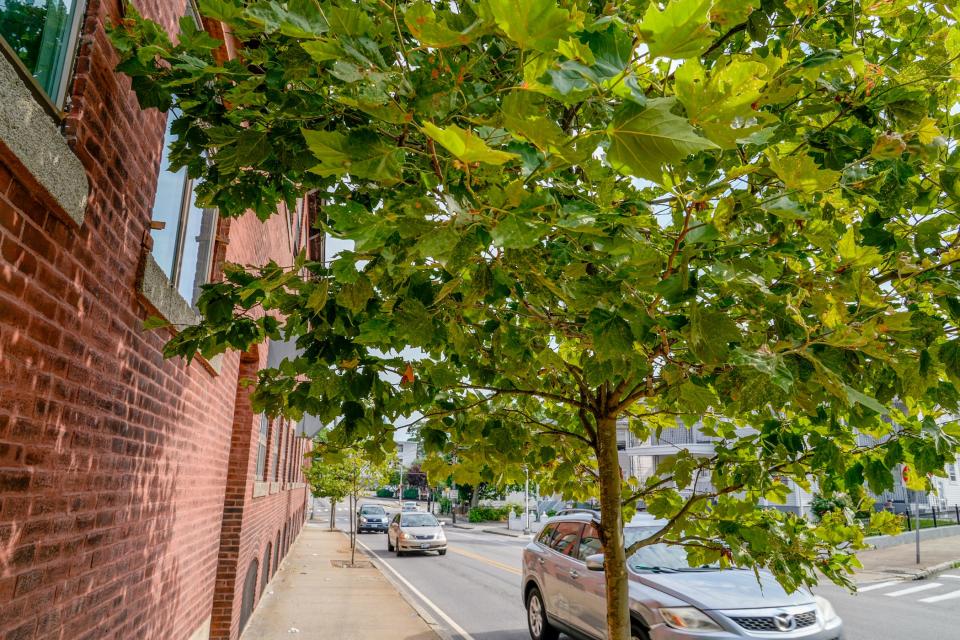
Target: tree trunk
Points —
{"points": [[333, 514], [611, 525], [353, 528]]}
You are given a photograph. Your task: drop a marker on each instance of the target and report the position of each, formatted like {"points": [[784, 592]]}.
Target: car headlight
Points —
{"points": [[405, 536], [825, 609], [688, 619], [363, 520]]}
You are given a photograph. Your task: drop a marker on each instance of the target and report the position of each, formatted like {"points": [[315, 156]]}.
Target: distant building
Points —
{"points": [[409, 451], [640, 458]]}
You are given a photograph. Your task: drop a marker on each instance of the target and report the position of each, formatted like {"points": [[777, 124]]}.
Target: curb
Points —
{"points": [[935, 569], [527, 536], [408, 597]]}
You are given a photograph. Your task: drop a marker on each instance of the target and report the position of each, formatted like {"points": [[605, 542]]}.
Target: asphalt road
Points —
{"points": [[473, 592]]}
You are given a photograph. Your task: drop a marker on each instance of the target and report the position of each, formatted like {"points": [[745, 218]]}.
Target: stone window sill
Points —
{"points": [[29, 132], [162, 298]]}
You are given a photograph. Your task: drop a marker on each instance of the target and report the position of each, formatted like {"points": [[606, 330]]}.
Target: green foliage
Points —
{"points": [[821, 504], [411, 493], [487, 514], [556, 227], [384, 493]]}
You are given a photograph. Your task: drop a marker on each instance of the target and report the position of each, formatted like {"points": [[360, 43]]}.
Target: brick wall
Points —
{"points": [[114, 463]]}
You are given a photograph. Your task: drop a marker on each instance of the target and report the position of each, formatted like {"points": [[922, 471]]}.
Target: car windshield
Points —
{"points": [[418, 520], [657, 557], [373, 509]]}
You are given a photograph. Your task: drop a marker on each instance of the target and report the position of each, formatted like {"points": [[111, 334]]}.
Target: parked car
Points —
{"points": [[563, 590], [416, 532], [408, 506], [372, 517]]}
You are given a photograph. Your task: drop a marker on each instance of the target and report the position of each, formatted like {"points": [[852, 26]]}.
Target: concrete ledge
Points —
{"points": [[161, 296], [261, 489], [30, 134], [908, 537]]}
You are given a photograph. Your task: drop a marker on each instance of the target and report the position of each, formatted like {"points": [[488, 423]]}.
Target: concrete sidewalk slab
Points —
{"points": [[900, 561], [310, 598]]}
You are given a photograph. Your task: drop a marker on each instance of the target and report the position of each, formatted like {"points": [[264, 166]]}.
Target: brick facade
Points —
{"points": [[127, 505]]}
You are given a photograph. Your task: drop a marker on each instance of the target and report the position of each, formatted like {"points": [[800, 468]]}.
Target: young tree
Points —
{"points": [[328, 480], [577, 213], [345, 473]]}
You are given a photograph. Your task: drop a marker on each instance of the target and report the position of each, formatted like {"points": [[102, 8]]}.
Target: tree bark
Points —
{"points": [[333, 514], [353, 528], [611, 526]]}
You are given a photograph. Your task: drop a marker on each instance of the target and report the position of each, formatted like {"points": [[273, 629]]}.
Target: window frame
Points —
{"points": [[53, 103], [262, 435]]}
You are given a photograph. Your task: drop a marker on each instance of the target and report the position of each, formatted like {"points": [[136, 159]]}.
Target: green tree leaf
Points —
{"points": [[642, 140], [532, 24], [681, 30], [465, 145]]}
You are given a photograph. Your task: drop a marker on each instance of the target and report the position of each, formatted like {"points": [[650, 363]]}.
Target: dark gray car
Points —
{"points": [[563, 590], [372, 517]]}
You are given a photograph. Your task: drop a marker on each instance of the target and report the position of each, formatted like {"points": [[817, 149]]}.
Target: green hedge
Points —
{"points": [[484, 514], [411, 494], [384, 493]]}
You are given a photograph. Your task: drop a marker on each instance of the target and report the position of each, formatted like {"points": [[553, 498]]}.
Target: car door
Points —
{"points": [[587, 603], [561, 571]]}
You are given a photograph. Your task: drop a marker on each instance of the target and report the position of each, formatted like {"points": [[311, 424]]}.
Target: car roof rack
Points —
{"points": [[565, 512]]}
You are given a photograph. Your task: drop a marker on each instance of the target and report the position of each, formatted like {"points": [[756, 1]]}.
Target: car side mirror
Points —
{"points": [[595, 562]]}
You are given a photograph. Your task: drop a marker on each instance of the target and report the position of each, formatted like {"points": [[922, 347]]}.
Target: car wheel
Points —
{"points": [[537, 622], [442, 552], [399, 553], [389, 544], [638, 633]]}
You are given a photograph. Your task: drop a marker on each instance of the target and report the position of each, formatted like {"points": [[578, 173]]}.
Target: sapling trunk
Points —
{"points": [[611, 526]]}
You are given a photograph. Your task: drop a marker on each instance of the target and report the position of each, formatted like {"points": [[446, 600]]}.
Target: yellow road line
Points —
{"points": [[492, 563]]}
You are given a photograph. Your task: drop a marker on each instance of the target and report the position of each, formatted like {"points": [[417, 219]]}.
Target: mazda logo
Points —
{"points": [[785, 622]]}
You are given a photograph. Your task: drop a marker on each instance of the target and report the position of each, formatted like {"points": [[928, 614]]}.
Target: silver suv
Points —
{"points": [[563, 590]]}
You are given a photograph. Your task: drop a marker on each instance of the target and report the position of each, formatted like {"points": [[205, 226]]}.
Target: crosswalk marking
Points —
{"points": [[946, 596], [880, 585], [904, 592], [950, 575]]}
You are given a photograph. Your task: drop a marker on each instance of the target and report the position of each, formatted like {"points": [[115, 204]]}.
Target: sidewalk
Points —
{"points": [[900, 561], [499, 528], [310, 597]]}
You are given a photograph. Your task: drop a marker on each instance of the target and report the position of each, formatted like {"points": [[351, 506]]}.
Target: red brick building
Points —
{"points": [[139, 497]]}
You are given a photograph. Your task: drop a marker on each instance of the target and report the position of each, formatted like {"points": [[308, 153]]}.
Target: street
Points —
{"points": [[473, 592]]}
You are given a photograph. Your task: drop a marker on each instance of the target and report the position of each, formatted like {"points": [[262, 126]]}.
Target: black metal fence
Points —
{"points": [[933, 518]]}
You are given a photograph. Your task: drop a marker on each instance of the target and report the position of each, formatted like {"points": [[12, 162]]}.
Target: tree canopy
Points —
{"points": [[572, 213]]}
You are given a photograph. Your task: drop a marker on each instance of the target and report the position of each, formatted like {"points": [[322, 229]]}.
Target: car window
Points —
{"points": [[589, 543], [372, 509], [544, 537], [396, 518], [418, 520], [565, 538]]}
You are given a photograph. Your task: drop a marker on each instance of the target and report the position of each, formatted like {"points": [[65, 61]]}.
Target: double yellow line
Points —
{"points": [[478, 557]]}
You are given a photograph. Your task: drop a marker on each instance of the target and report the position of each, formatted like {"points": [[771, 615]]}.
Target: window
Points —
{"points": [[546, 534], [183, 233], [952, 472], [589, 543], [262, 448], [565, 538], [43, 36], [641, 467], [275, 452]]}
